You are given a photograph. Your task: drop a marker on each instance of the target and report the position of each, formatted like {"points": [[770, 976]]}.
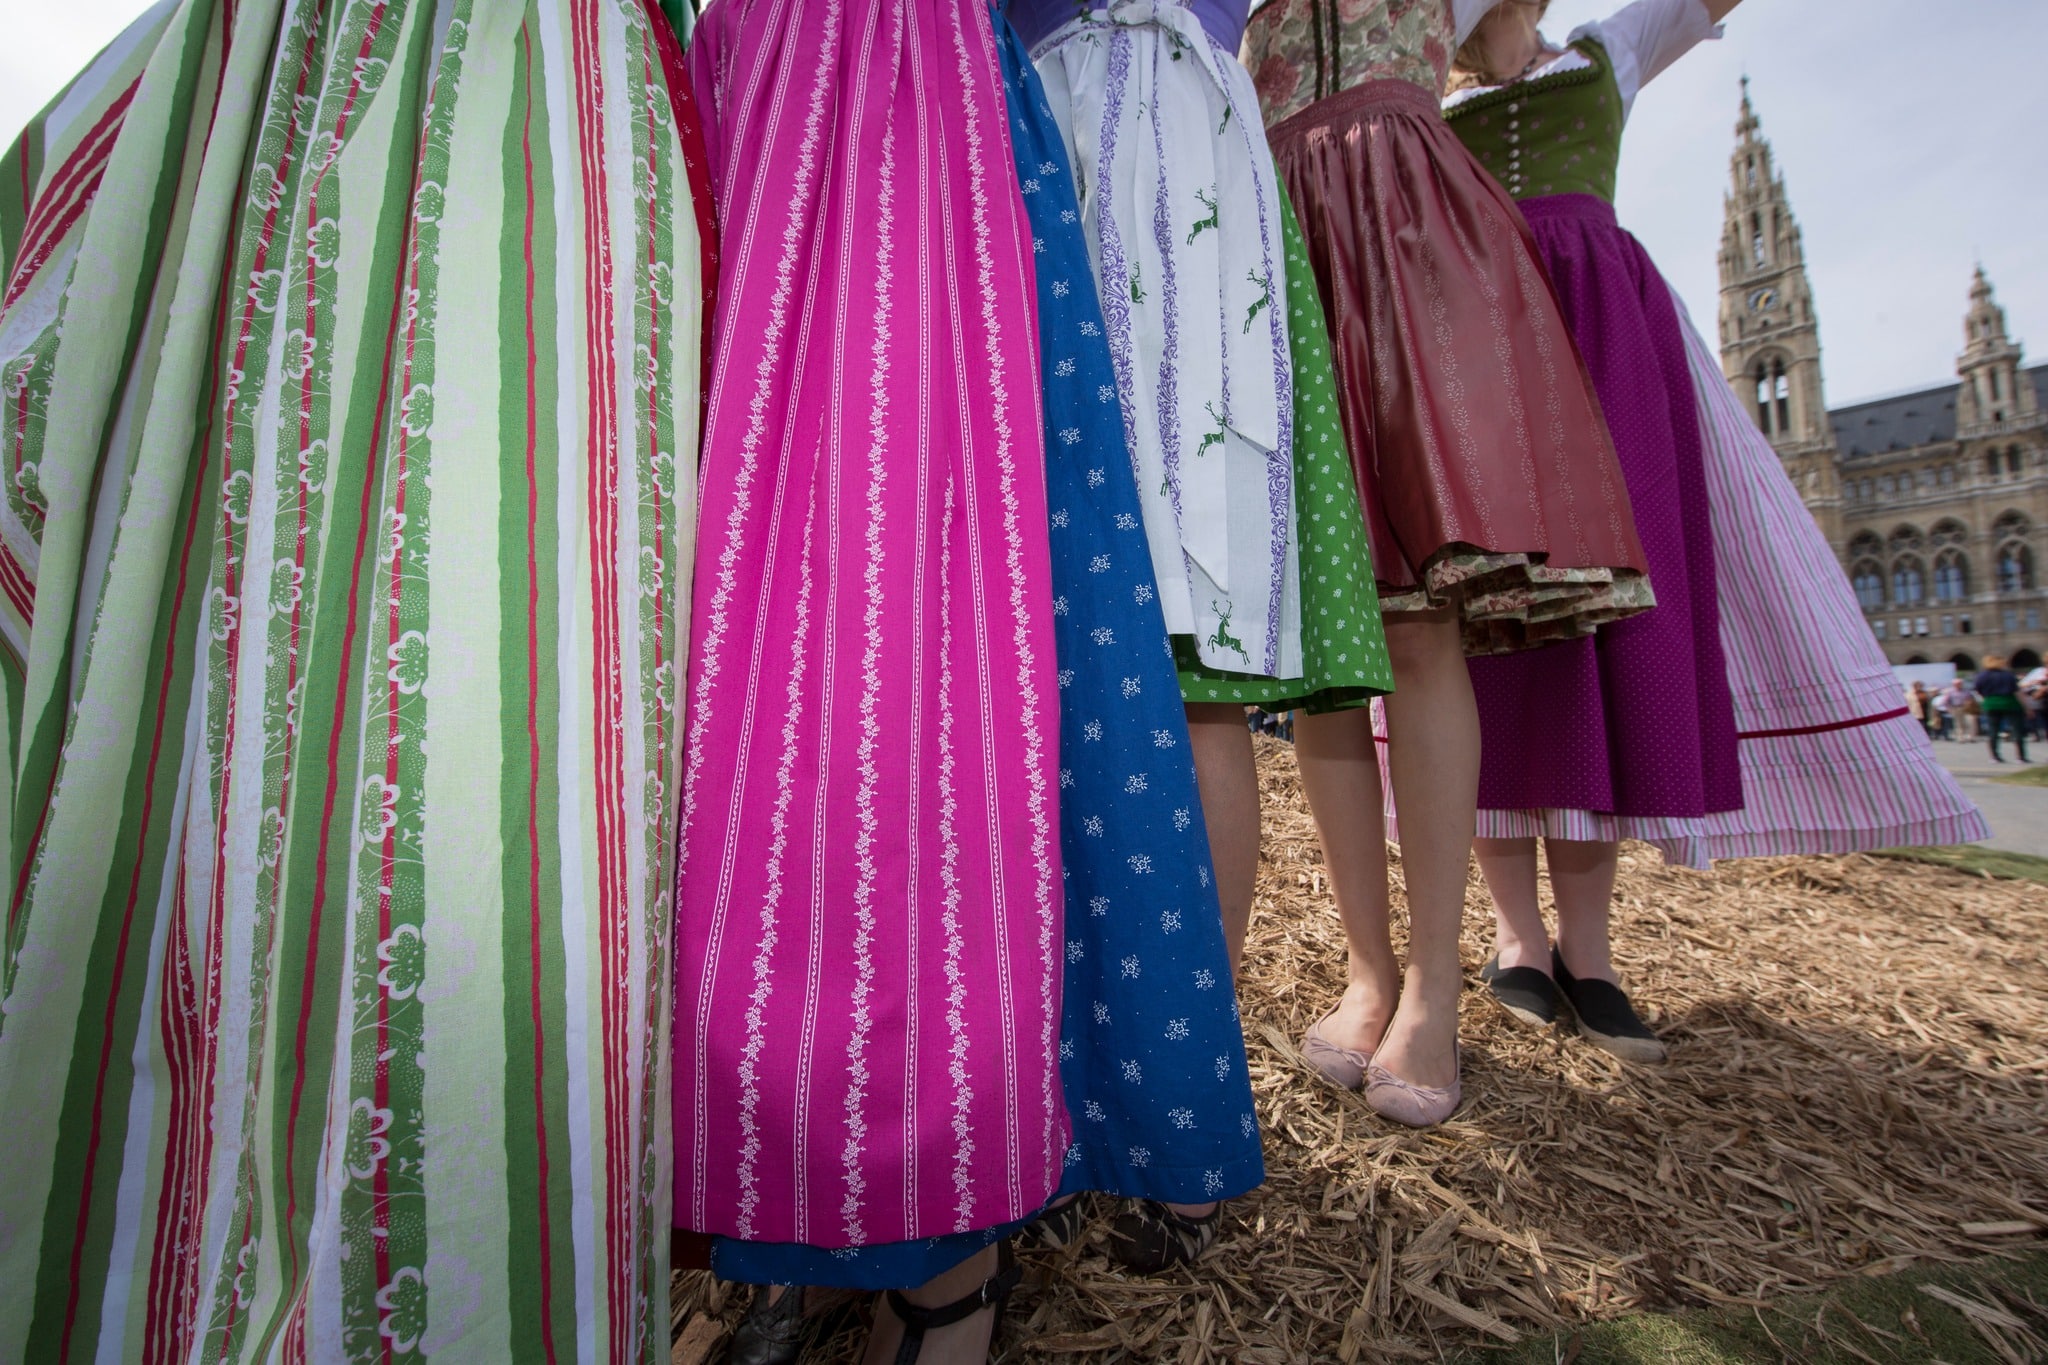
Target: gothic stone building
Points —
{"points": [[1935, 501]]}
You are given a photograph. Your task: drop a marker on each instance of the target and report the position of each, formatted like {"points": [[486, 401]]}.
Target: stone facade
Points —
{"points": [[1935, 501]]}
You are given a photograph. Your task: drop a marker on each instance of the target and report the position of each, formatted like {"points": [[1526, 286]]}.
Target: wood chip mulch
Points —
{"points": [[1858, 1082]]}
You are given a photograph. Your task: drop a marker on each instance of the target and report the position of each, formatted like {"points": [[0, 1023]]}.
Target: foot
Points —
{"points": [[1421, 1042], [958, 1311], [1510, 953], [1152, 1237], [775, 1330], [1526, 993], [1606, 1018], [1342, 1067], [1418, 1106], [1361, 1017], [1063, 1223]]}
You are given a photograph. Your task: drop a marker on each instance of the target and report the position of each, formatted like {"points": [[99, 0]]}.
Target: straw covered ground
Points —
{"points": [[1858, 1083]]}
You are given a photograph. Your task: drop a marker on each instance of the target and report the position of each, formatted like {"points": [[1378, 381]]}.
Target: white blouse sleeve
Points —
{"points": [[1648, 36], [1466, 14]]}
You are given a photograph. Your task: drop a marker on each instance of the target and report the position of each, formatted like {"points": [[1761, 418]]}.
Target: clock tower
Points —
{"points": [[1770, 335]]}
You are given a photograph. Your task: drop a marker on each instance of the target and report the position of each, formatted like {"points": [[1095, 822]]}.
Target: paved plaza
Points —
{"points": [[2018, 815]]}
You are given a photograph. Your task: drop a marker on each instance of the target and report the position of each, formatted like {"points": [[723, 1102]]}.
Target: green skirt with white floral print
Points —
{"points": [[1343, 650]]}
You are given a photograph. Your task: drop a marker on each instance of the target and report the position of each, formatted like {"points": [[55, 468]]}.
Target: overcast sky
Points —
{"points": [[1913, 135]]}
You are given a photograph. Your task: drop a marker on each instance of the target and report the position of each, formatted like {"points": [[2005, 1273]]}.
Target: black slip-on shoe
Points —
{"points": [[1606, 1018], [1527, 993]]}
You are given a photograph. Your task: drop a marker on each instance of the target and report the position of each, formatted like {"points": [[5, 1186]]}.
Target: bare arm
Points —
{"points": [[1717, 10]]}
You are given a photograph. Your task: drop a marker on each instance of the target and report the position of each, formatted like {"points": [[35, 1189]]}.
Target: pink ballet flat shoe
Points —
{"points": [[1340, 1066], [1418, 1106]]}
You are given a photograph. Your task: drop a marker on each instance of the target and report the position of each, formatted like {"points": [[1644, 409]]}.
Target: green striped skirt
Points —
{"points": [[341, 683]]}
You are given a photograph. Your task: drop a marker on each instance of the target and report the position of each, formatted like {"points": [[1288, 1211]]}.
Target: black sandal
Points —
{"points": [[773, 1333], [1606, 1018], [1062, 1225], [1151, 1238], [994, 1293], [1527, 993]]}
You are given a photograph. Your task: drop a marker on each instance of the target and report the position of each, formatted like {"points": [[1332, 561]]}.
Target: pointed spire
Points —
{"points": [[1984, 326], [1749, 124]]}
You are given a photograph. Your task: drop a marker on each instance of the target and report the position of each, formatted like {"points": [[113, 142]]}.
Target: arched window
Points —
{"points": [[1906, 538], [1991, 464], [1868, 489], [1948, 476], [1752, 171], [1756, 237], [1909, 583], [2015, 568], [2012, 460], [1763, 397], [2012, 524], [1996, 391], [1869, 580], [1782, 390], [1951, 577], [1885, 485]]}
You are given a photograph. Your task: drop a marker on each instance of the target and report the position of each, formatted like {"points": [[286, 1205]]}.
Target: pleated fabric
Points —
{"points": [[1830, 760], [1638, 721], [1151, 1052], [869, 932], [1182, 213], [1343, 645], [1487, 477], [342, 683]]}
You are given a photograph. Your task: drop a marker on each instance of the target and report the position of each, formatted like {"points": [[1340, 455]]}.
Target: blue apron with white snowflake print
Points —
{"points": [[1151, 1050]]}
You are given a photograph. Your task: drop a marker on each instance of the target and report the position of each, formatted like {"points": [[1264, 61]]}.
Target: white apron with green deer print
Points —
{"points": [[349, 359], [1180, 203]]}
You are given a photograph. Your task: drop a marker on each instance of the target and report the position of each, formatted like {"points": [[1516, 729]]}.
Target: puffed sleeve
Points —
{"points": [[1644, 38]]}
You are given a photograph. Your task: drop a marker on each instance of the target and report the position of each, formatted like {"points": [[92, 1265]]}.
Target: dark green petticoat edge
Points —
{"points": [[1343, 647]]}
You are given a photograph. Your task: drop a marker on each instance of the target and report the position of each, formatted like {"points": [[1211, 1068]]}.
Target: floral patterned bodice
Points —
{"points": [[1300, 51]]}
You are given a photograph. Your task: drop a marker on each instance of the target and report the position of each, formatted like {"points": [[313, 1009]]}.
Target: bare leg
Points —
{"points": [[1582, 878], [1229, 779], [1340, 772], [1509, 866], [1433, 758], [963, 1343]]}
